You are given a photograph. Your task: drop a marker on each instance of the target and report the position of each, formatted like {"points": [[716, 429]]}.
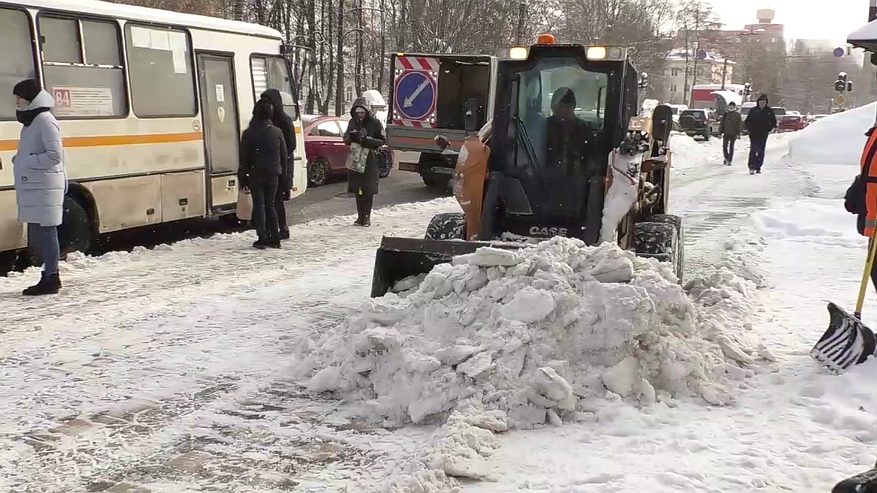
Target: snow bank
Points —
{"points": [[835, 139], [690, 153]]}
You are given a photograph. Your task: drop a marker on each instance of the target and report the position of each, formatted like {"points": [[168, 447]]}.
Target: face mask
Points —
{"points": [[732, 109]]}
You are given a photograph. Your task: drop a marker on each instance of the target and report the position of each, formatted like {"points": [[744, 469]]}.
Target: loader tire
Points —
{"points": [[436, 180], [661, 241], [676, 221], [448, 226]]}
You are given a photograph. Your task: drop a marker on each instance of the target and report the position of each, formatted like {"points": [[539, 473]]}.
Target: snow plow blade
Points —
{"points": [[398, 258], [847, 341]]}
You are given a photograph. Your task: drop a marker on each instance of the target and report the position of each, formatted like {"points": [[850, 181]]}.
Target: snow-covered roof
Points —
{"points": [[864, 37], [730, 97], [152, 15]]}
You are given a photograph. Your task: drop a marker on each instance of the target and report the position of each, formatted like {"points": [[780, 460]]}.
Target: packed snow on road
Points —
{"points": [[208, 366]]}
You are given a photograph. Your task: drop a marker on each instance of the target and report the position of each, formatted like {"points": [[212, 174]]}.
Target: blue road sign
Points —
{"points": [[415, 95]]}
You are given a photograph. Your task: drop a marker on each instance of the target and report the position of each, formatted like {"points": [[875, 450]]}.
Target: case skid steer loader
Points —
{"points": [[551, 163]]}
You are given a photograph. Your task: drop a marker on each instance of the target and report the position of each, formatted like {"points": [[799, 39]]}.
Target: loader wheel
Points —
{"points": [[448, 226], [676, 221], [660, 241]]}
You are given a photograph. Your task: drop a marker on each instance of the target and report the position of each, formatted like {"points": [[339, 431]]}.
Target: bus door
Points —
{"points": [[221, 130]]}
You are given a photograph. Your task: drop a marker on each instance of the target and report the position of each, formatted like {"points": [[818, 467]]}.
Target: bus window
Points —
{"points": [[82, 63], [272, 73], [162, 79], [17, 62]]}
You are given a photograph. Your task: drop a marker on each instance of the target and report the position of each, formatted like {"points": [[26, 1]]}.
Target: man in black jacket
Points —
{"points": [[282, 121], [760, 121], [263, 160]]}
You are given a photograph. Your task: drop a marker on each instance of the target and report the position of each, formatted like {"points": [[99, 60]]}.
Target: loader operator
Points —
{"points": [[567, 136]]}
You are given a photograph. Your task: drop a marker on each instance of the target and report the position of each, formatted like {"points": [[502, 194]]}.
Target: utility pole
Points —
{"points": [[339, 83], [522, 19], [724, 72]]}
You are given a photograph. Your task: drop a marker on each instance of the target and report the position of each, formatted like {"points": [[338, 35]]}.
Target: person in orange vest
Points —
{"points": [[861, 197]]}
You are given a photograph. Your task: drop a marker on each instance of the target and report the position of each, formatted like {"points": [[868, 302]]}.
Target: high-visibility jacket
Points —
{"points": [[869, 175]]}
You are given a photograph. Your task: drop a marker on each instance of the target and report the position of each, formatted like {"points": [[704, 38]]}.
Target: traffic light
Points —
{"points": [[842, 83]]}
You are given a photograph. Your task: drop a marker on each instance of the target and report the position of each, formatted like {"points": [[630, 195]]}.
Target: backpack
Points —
{"points": [[854, 199]]}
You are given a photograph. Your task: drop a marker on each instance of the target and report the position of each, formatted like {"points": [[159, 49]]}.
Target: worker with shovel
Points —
{"points": [[848, 341]]}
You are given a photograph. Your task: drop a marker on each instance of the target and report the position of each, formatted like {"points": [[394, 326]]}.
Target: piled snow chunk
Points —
{"points": [[836, 139], [531, 334]]}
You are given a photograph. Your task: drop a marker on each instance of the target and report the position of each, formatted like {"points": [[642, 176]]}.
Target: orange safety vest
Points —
{"points": [[869, 174]]}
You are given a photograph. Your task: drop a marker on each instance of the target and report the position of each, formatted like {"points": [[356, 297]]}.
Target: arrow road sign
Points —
{"points": [[415, 95]]}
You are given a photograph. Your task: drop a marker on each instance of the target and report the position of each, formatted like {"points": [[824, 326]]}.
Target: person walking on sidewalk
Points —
{"points": [[284, 122], [364, 134], [731, 127], [40, 179], [760, 121], [263, 160]]}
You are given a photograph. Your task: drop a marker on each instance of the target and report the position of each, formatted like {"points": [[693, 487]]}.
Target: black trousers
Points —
{"points": [[364, 204], [758, 143], [280, 207], [264, 191], [728, 142]]}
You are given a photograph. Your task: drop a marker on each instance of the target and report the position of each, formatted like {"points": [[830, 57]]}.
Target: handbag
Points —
{"points": [[245, 206], [357, 158]]}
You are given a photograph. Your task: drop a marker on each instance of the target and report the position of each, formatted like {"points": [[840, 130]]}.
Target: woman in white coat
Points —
{"points": [[40, 179]]}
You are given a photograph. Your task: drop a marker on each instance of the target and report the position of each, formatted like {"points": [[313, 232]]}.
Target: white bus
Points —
{"points": [[151, 106]]}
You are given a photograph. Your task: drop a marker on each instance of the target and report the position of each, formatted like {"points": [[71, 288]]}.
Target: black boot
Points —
{"points": [[261, 244], [273, 242], [49, 284], [284, 234], [360, 217]]}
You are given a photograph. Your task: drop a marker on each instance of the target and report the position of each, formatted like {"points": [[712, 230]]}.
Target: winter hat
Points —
{"points": [[27, 89], [563, 95], [763, 97]]}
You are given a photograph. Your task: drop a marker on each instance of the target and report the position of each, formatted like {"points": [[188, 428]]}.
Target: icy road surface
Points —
{"points": [[167, 371]]}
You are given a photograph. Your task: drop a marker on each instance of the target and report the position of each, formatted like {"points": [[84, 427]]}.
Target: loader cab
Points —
{"points": [[560, 111]]}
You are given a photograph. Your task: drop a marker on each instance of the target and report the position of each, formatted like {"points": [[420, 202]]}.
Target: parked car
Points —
{"points": [[791, 123], [326, 151], [696, 123]]}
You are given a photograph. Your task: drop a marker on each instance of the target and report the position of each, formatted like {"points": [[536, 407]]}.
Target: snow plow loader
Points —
{"points": [[565, 155]]}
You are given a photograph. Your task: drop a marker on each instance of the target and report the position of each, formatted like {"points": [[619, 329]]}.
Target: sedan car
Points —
{"points": [[326, 151], [791, 123]]}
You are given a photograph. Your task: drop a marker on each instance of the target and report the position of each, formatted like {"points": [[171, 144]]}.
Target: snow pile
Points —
{"points": [[687, 152], [534, 334], [835, 139]]}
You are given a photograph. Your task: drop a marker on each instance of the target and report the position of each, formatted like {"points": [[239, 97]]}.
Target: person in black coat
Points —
{"points": [[263, 161], [760, 121], [283, 121], [365, 130]]}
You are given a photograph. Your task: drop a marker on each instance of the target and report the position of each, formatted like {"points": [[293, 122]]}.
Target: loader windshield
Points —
{"points": [[561, 112]]}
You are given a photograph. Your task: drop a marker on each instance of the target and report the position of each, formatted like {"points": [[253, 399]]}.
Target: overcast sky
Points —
{"points": [[810, 19]]}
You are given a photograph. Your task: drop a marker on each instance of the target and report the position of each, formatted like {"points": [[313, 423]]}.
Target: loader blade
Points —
{"points": [[398, 258], [847, 341]]}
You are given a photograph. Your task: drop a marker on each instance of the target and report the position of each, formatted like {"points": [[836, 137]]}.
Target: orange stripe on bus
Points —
{"points": [[116, 140]]}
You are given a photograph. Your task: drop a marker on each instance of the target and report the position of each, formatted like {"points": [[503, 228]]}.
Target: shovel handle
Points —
{"points": [[869, 265]]}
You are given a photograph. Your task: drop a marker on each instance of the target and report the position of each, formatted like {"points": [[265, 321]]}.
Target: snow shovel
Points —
{"points": [[847, 341]]}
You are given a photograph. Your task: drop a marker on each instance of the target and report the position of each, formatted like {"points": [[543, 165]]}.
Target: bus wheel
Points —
{"points": [[75, 233]]}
